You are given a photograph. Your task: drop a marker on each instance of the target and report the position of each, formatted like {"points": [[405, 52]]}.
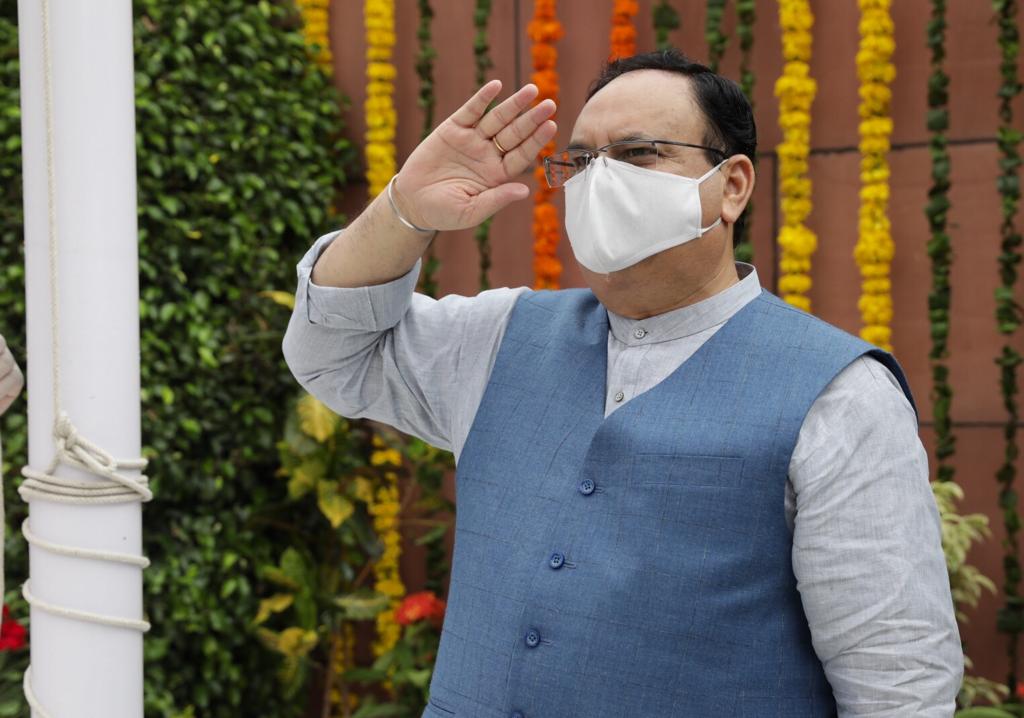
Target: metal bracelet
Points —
{"points": [[403, 220]]}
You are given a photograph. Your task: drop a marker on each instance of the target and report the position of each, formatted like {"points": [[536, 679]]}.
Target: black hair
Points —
{"points": [[729, 119]]}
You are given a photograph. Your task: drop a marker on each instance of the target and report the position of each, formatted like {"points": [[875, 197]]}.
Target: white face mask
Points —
{"points": [[617, 214]]}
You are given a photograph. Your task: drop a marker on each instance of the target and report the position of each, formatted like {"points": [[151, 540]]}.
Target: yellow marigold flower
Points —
{"points": [[386, 456], [795, 284]]}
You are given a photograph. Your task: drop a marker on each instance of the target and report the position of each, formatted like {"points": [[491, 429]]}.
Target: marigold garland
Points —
{"points": [[796, 90], [343, 702], [385, 509], [623, 35], [544, 31], [381, 118], [315, 15], [875, 248]]}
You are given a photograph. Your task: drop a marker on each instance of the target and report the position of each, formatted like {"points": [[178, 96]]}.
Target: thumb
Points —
{"points": [[490, 201]]}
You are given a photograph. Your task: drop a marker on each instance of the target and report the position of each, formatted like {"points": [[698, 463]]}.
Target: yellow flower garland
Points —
{"points": [[796, 90], [314, 26], [379, 20], [875, 248], [387, 578], [342, 658]]}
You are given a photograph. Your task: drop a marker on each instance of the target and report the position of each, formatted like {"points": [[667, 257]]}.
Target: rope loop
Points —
{"points": [[73, 449]]}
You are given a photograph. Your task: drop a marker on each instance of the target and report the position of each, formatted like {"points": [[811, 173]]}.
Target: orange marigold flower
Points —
{"points": [[422, 606]]}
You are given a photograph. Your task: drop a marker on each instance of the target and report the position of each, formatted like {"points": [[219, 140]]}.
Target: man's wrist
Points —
{"points": [[402, 216]]}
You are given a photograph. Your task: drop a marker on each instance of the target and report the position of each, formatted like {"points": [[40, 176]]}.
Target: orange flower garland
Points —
{"points": [[623, 37], [545, 30]]}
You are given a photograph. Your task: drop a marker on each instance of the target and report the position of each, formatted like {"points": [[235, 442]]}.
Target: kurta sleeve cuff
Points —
{"points": [[374, 308]]}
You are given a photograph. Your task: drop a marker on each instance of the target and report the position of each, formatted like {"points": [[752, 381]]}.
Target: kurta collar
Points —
{"points": [[691, 319]]}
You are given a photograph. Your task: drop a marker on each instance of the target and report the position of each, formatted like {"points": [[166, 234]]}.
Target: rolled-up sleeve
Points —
{"points": [[384, 352], [867, 552]]}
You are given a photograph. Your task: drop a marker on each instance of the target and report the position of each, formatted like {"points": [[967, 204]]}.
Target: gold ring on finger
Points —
{"points": [[497, 144]]}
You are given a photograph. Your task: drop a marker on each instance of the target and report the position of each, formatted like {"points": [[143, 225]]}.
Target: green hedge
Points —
{"points": [[239, 154]]}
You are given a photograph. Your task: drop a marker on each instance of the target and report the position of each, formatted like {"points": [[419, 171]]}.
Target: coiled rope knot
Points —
{"points": [[72, 449], [112, 486]]}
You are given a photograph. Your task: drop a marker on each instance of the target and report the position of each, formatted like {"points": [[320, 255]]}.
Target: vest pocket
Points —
{"points": [[687, 471]]}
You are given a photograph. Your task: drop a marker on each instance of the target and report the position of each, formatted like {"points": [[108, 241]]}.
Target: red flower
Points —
{"points": [[12, 633], [1020, 689], [420, 606]]}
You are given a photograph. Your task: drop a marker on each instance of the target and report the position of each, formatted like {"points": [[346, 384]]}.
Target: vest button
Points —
{"points": [[557, 560], [532, 638], [587, 487]]}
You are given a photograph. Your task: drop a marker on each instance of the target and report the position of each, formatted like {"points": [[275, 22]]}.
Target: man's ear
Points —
{"points": [[738, 187]]}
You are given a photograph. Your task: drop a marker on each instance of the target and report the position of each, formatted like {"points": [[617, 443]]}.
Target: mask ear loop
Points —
{"points": [[710, 227], [699, 181]]}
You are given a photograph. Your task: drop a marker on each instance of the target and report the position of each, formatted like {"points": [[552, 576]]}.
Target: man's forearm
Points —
{"points": [[374, 249]]}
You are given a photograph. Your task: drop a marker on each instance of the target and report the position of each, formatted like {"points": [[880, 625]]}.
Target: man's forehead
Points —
{"points": [[644, 104]]}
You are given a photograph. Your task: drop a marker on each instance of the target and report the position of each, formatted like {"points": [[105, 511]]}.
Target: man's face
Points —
{"points": [[652, 105], [656, 105]]}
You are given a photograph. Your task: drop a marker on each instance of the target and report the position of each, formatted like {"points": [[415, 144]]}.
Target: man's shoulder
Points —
{"points": [[863, 363], [812, 327], [554, 300]]}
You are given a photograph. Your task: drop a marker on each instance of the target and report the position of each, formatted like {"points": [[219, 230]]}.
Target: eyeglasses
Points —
{"points": [[562, 166]]}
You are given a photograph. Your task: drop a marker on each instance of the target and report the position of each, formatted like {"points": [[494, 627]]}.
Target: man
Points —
{"points": [[11, 378], [676, 495]]}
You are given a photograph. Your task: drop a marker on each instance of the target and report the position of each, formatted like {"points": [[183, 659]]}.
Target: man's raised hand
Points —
{"points": [[457, 177]]}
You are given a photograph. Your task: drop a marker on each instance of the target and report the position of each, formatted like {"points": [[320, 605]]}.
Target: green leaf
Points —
{"points": [[315, 419], [275, 604], [362, 605], [332, 503], [305, 477], [285, 299]]}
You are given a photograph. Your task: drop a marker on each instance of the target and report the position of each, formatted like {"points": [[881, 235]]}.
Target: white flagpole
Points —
{"points": [[82, 669]]}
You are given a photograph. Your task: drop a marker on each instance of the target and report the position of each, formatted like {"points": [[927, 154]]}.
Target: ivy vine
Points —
{"points": [[483, 63], [1008, 318], [666, 19], [939, 249], [746, 15], [717, 40], [427, 101]]}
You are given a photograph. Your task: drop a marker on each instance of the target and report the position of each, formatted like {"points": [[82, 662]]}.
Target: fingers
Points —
{"points": [[495, 120], [491, 201], [525, 125], [526, 153], [6, 362], [471, 112]]}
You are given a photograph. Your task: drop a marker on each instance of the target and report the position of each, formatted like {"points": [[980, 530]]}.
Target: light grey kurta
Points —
{"points": [[866, 539]]}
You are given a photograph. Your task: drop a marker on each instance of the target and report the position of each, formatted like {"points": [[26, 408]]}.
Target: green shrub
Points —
{"points": [[239, 155]]}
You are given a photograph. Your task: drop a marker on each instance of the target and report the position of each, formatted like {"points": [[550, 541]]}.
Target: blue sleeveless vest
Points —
{"points": [[639, 565]]}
